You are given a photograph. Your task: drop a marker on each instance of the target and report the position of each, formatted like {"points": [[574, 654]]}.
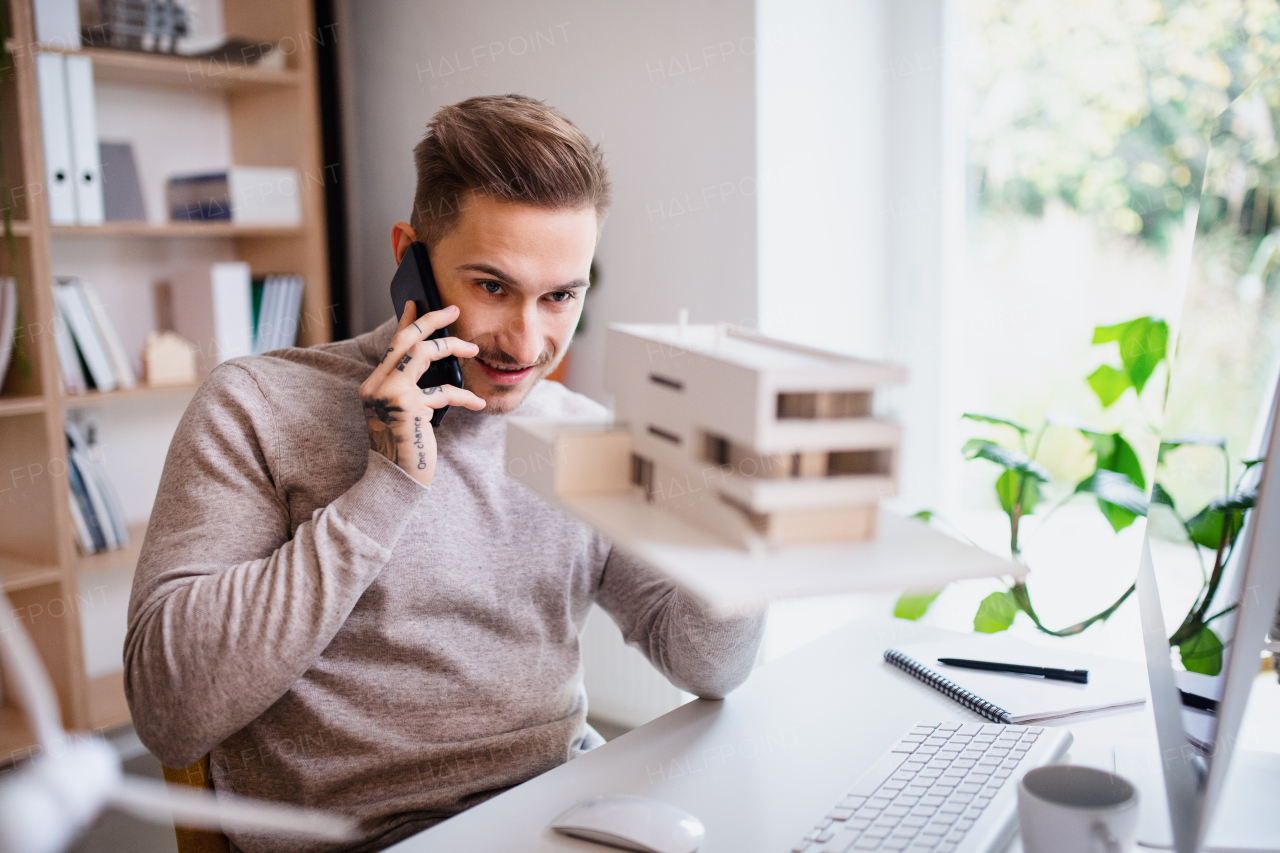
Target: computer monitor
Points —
{"points": [[1210, 575]]}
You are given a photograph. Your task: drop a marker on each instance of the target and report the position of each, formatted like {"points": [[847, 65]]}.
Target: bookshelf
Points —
{"points": [[273, 119]]}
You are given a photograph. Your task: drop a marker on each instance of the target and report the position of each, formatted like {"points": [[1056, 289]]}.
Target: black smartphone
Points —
{"points": [[415, 282]]}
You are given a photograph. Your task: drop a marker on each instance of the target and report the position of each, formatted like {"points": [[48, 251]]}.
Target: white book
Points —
{"points": [[102, 493], [86, 335], [51, 75], [73, 381], [84, 539], [233, 309], [265, 338], [1113, 683], [280, 320], [289, 326], [85, 156], [8, 318], [120, 362], [264, 195], [58, 23], [213, 308], [97, 500]]}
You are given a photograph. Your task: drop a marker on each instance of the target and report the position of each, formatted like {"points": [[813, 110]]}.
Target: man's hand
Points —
{"points": [[397, 413]]}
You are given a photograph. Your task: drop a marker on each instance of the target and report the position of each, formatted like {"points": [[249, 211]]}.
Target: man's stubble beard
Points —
{"points": [[546, 365]]}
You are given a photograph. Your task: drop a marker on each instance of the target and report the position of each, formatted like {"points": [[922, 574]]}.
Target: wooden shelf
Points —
{"points": [[125, 556], [16, 737], [200, 230], [10, 406], [98, 398], [272, 115], [16, 574], [107, 706], [180, 72]]}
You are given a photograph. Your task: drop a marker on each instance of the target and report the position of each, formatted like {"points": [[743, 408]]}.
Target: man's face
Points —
{"points": [[518, 275]]}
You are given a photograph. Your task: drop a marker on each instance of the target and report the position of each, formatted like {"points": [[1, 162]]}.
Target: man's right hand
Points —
{"points": [[397, 413]]}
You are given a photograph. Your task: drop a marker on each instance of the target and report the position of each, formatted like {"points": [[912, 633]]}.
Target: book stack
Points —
{"points": [[277, 301], [8, 322], [89, 350], [245, 195], [227, 313], [95, 507]]}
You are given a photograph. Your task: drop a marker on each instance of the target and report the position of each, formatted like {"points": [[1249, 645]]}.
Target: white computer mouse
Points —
{"points": [[632, 823]]}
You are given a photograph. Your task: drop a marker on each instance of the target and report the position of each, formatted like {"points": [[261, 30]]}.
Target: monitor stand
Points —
{"points": [[1247, 819]]}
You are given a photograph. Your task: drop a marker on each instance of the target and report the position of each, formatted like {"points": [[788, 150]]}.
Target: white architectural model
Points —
{"points": [[762, 443], [746, 469]]}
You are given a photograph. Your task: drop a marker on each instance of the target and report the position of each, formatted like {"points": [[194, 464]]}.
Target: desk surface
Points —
{"points": [[762, 766]]}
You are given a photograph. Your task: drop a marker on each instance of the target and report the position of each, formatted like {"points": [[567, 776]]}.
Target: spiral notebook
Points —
{"points": [[1009, 698]]}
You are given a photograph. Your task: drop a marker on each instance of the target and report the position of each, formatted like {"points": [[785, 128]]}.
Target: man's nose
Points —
{"points": [[522, 337]]}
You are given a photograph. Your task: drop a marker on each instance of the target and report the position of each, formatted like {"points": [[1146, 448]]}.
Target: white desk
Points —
{"points": [[762, 766]]}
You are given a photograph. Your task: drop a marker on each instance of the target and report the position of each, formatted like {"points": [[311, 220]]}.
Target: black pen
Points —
{"points": [[1079, 676]]}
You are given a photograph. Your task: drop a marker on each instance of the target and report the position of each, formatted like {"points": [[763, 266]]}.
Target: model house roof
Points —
{"points": [[787, 365]]}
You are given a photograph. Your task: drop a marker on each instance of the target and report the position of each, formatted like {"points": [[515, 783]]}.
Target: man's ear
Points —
{"points": [[401, 236]]}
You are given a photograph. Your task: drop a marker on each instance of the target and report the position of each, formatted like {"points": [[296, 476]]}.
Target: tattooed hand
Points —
{"points": [[397, 413]]}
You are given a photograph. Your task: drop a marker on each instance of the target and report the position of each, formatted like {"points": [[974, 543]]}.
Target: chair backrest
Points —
{"points": [[196, 840]]}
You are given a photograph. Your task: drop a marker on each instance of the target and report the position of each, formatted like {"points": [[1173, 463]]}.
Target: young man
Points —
{"points": [[392, 633]]}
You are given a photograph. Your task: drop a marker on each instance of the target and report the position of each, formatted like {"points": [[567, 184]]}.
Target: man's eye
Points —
{"points": [[560, 295], [491, 287]]}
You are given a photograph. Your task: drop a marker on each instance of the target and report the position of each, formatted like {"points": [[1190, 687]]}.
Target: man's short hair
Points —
{"points": [[507, 147]]}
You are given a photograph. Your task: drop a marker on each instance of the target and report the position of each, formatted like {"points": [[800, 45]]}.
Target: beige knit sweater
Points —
{"points": [[336, 635]]}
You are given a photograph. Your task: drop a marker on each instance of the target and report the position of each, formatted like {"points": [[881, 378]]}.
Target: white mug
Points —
{"points": [[1063, 808]]}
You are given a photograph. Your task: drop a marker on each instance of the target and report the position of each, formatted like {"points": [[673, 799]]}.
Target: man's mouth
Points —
{"points": [[504, 374]]}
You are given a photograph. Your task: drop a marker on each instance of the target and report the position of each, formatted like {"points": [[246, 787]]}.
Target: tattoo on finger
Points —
{"points": [[437, 343], [434, 389], [402, 363]]}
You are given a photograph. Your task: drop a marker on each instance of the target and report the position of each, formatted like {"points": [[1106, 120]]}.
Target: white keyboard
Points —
{"points": [[942, 788]]}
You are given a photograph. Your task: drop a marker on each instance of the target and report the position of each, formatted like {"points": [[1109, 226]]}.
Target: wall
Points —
{"points": [[849, 134], [666, 87]]}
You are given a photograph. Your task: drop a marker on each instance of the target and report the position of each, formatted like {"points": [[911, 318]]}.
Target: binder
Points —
{"points": [[51, 76], [85, 157]]}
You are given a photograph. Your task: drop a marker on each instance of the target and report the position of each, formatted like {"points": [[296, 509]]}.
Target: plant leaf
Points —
{"points": [[1202, 652], [1200, 440], [995, 613], [1160, 495], [1007, 486], [1010, 460], [925, 515], [1119, 499], [1142, 347], [991, 419], [1123, 460], [1241, 500], [1107, 334], [913, 604], [1249, 463], [1206, 526], [1108, 383]]}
